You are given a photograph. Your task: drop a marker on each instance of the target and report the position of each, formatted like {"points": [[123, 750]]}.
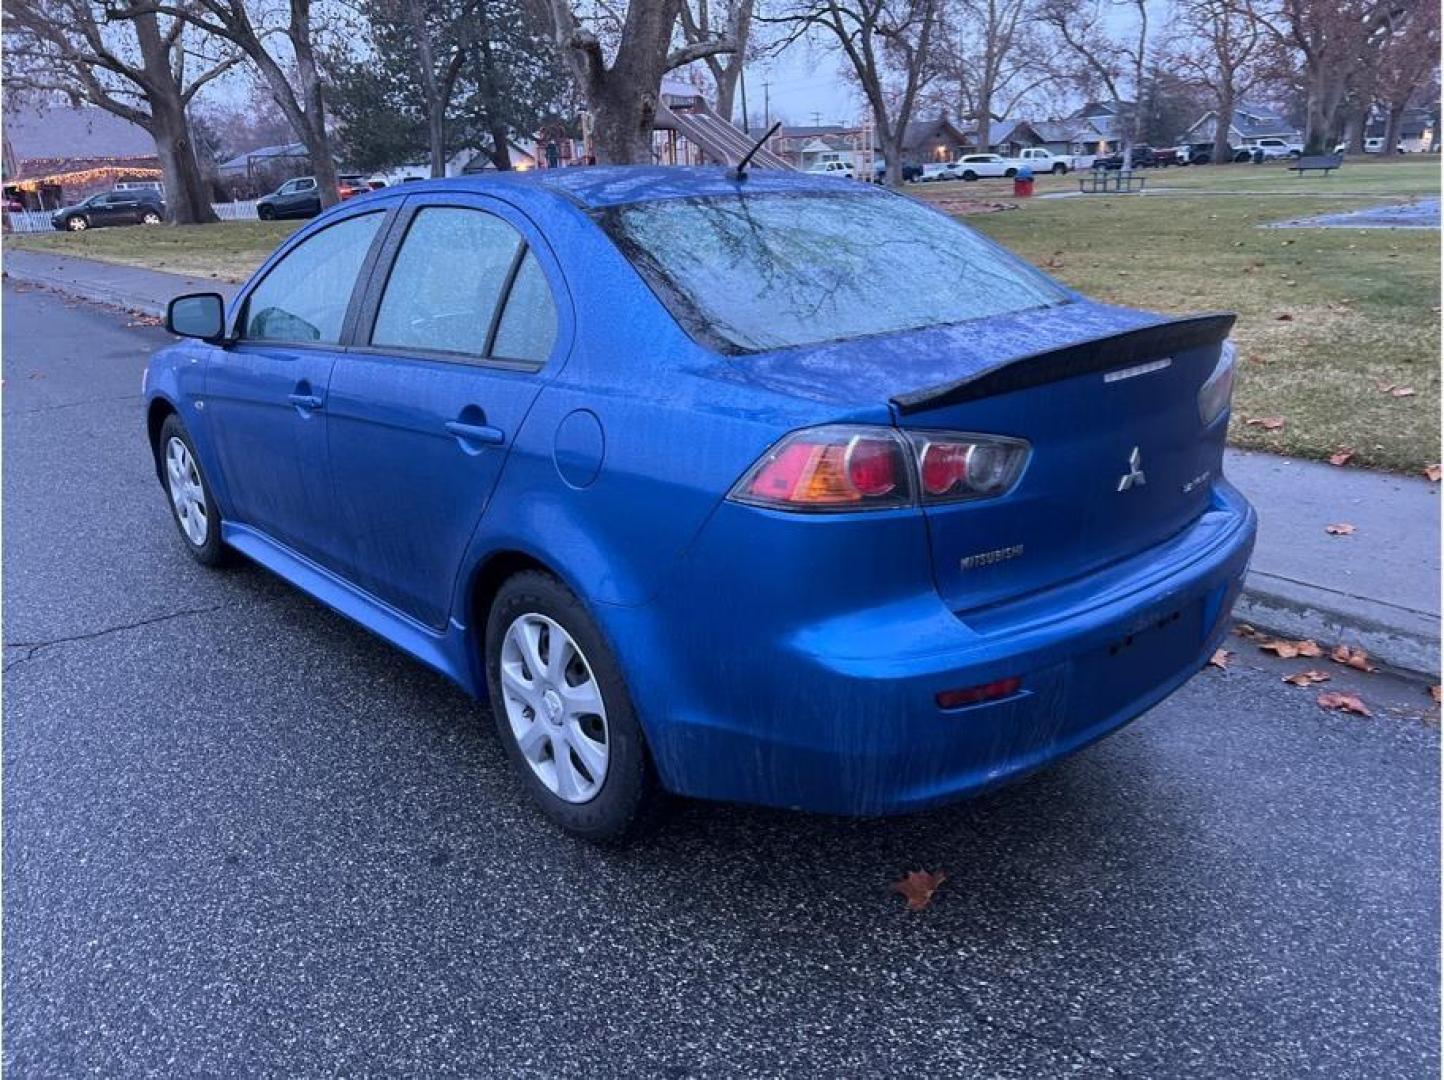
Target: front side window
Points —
{"points": [[304, 296], [747, 273], [448, 279]]}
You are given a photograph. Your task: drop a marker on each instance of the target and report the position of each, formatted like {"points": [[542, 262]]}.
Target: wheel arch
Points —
{"points": [[156, 414]]}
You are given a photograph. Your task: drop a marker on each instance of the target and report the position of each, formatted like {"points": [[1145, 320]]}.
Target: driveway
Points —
{"points": [[243, 836]]}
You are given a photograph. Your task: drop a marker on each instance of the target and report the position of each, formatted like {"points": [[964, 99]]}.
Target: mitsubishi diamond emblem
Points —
{"points": [[1134, 476]]}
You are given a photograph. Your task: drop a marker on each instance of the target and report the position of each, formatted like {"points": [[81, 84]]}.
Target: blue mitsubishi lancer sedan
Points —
{"points": [[770, 488]]}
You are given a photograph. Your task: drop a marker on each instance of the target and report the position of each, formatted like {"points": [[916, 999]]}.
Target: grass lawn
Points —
{"points": [[1326, 316], [228, 251]]}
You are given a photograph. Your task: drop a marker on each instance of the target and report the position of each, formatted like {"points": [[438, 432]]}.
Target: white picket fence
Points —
{"points": [[32, 221]]}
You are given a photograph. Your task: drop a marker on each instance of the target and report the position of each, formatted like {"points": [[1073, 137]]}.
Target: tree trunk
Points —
{"points": [[500, 146], [985, 119], [1222, 152], [892, 152], [187, 198], [622, 122], [1355, 128], [1392, 128]]}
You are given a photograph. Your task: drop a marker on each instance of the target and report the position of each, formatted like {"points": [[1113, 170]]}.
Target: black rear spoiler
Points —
{"points": [[1096, 354]]}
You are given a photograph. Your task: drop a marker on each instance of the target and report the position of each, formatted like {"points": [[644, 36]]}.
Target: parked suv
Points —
{"points": [[296, 198], [842, 169], [1142, 157], [142, 206], [1273, 148]]}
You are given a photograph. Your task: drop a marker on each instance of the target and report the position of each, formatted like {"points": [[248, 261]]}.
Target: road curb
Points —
{"points": [[1399, 638]]}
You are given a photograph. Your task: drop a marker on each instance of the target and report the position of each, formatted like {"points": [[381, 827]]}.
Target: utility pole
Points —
{"points": [[816, 118], [767, 103], [742, 76]]}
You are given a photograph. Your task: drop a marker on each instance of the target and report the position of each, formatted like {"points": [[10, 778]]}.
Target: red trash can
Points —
{"points": [[1023, 186]]}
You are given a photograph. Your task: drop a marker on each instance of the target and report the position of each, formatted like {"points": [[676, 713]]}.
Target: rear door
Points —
{"points": [[266, 395], [465, 316], [1120, 461]]}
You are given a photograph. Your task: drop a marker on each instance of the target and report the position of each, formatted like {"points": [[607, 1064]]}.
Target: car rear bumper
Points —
{"points": [[844, 718]]}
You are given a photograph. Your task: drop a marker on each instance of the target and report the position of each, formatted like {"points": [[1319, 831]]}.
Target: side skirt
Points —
{"points": [[447, 652]]}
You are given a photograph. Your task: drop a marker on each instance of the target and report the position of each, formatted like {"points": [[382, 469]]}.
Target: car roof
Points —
{"points": [[597, 186]]}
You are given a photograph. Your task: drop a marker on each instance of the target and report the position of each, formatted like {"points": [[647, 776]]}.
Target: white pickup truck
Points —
{"points": [[1041, 161]]}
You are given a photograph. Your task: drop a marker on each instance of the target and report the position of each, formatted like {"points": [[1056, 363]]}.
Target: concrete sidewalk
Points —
{"points": [[1378, 588], [128, 287]]}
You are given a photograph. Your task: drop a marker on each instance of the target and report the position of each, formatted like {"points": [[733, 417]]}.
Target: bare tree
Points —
{"points": [[736, 27], [1116, 61], [889, 45], [304, 103], [1406, 60], [1335, 43], [987, 50], [136, 71], [622, 95], [1221, 52]]}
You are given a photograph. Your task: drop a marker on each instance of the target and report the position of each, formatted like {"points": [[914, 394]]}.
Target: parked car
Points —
{"points": [[1141, 157], [1165, 156], [700, 515], [296, 198], [142, 206], [1273, 149], [911, 171], [348, 187], [1373, 145], [937, 170], [1041, 161], [842, 169], [977, 166]]}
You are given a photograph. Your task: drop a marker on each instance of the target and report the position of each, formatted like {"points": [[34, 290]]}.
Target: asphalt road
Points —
{"points": [[242, 836]]}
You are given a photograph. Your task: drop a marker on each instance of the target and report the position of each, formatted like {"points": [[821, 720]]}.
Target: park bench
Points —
{"points": [[1100, 180], [1324, 163]]}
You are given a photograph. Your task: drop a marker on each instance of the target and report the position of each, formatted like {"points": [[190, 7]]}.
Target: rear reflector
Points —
{"points": [[999, 688]]}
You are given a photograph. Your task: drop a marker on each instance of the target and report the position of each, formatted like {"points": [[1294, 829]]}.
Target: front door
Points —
{"points": [[266, 395], [451, 349]]}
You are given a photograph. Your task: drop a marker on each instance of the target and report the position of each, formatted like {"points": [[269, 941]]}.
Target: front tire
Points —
{"points": [[192, 506], [77, 224], [563, 712], [265, 213]]}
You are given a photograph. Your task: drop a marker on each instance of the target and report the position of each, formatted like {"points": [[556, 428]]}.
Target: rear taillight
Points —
{"points": [[861, 467], [1217, 389], [954, 467], [837, 467]]}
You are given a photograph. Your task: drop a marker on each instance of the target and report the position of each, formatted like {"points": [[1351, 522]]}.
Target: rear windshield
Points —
{"points": [[748, 273]]}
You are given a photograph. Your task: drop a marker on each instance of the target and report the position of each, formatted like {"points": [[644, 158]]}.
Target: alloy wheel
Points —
{"points": [[186, 494], [554, 707], [77, 224]]}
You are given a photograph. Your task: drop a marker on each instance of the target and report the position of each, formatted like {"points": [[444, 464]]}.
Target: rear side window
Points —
{"points": [[748, 273], [448, 278], [465, 282], [528, 326], [303, 298]]}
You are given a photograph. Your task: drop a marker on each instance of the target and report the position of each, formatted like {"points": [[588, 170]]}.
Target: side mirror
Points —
{"points": [[197, 315]]}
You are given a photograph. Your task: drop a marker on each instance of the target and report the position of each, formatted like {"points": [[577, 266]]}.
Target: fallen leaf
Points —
{"points": [[1357, 659], [1402, 391], [1308, 648], [1306, 678], [1054, 263], [1437, 693], [1244, 630], [1341, 456], [1268, 423], [1340, 528], [1285, 317], [1285, 650], [1255, 358], [1434, 473], [1384, 386], [919, 887], [1219, 659], [1344, 703]]}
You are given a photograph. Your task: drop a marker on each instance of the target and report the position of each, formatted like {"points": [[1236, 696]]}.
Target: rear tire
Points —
{"points": [[563, 712], [970, 175], [150, 217], [1059, 169]]}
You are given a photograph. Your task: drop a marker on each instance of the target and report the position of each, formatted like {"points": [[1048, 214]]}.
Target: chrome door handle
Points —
{"points": [[305, 401], [476, 433]]}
